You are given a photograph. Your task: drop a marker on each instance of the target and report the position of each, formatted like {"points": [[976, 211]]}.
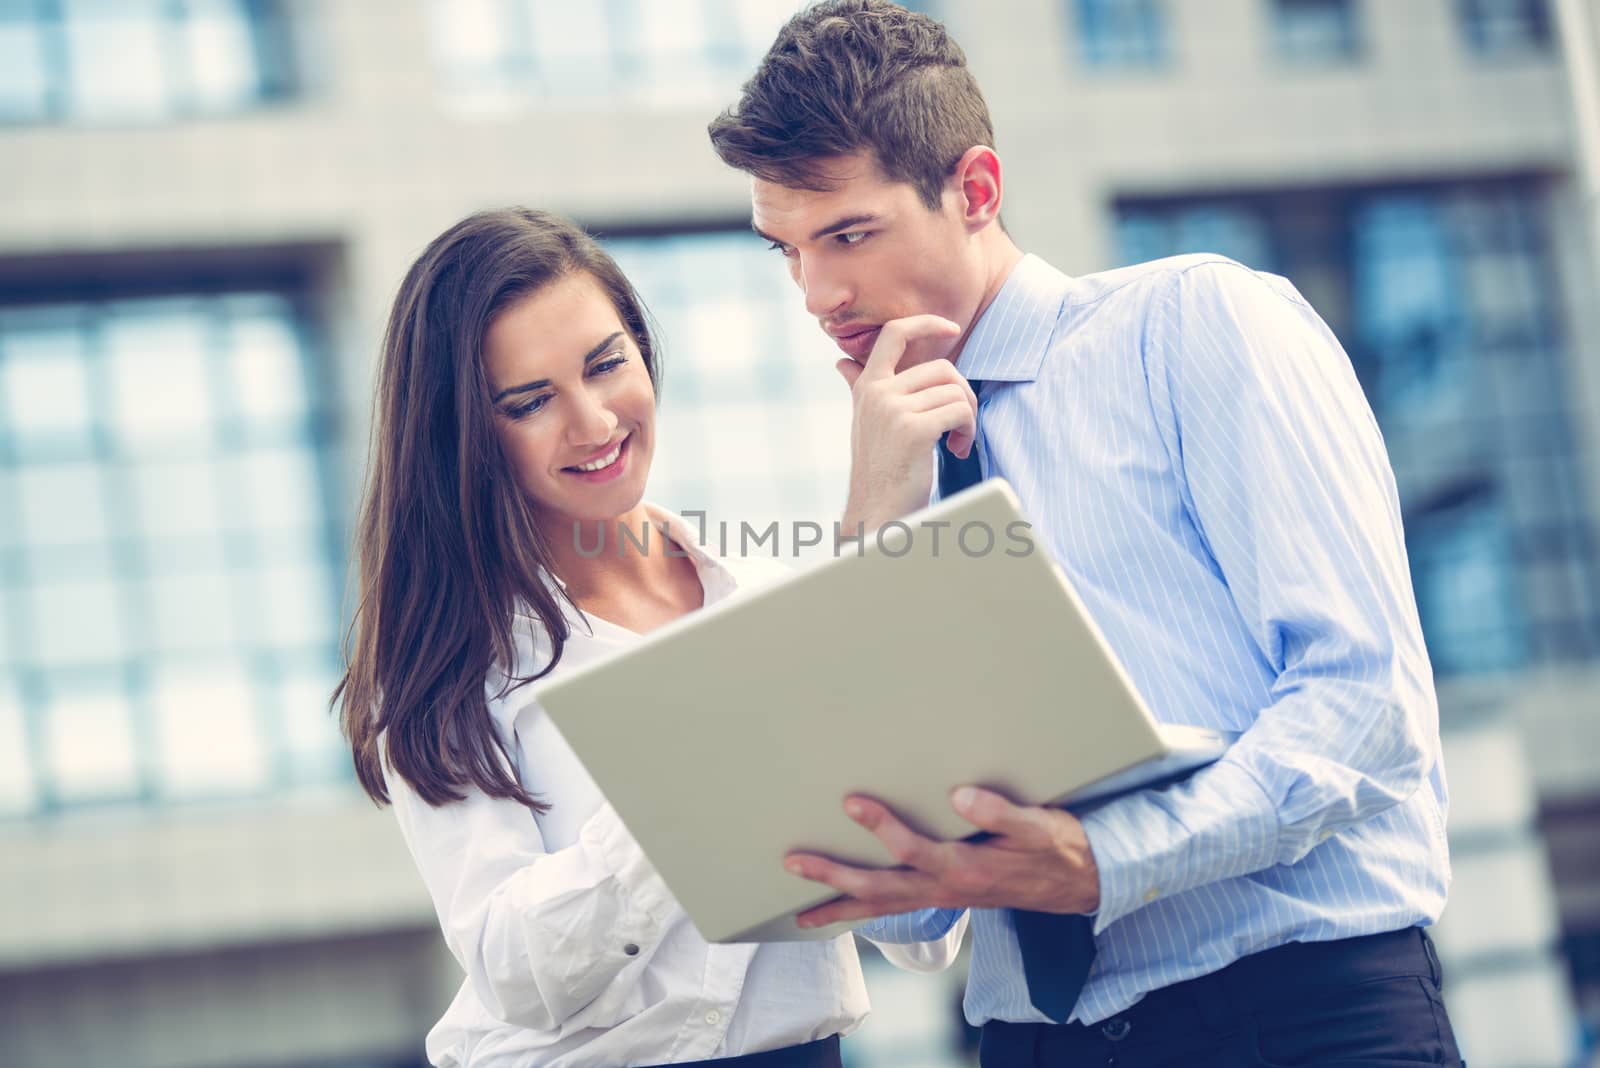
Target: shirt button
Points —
{"points": [[713, 1016], [1151, 894], [1117, 1030], [631, 950]]}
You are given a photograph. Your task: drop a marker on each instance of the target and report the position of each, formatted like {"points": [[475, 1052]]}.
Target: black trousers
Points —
{"points": [[1370, 1001], [820, 1054]]}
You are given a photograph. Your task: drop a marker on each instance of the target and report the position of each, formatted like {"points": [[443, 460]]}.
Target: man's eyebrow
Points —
{"points": [[849, 222], [529, 387]]}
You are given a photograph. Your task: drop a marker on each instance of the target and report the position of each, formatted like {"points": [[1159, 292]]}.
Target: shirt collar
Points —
{"points": [[1010, 338]]}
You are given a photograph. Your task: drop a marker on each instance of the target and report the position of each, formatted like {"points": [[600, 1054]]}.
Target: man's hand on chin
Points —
{"points": [[898, 417], [1036, 858]]}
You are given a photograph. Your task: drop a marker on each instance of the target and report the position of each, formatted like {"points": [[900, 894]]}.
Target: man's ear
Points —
{"points": [[978, 187]]}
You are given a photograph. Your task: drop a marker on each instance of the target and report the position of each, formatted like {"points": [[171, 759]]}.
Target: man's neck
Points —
{"points": [[1002, 258]]}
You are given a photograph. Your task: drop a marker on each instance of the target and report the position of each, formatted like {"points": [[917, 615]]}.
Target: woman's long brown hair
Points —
{"points": [[448, 545]]}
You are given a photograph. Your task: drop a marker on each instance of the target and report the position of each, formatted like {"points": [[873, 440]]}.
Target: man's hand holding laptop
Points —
{"points": [[1035, 858]]}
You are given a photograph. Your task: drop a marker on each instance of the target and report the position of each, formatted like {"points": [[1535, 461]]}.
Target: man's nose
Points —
{"points": [[827, 294]]}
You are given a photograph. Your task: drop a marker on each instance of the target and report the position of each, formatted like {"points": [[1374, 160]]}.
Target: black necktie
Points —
{"points": [[1057, 948]]}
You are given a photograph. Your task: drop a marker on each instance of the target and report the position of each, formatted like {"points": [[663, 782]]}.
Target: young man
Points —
{"points": [[1196, 453]]}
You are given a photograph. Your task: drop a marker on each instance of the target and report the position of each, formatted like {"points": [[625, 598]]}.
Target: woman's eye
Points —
{"points": [[529, 407], [609, 365]]}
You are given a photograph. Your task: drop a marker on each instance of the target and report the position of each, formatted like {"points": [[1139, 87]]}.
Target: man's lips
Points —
{"points": [[856, 341]]}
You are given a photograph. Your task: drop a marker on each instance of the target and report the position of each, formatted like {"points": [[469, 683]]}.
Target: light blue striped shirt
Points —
{"points": [[1192, 446]]}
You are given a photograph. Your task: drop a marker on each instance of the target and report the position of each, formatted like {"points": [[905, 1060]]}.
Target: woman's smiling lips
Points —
{"points": [[614, 461]]}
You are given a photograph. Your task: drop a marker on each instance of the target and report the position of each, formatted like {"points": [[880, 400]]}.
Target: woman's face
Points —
{"points": [[574, 404]]}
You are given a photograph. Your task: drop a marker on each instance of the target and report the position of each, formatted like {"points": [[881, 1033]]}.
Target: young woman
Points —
{"points": [[514, 423]]}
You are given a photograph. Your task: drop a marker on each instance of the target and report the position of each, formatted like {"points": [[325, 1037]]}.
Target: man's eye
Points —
{"points": [[854, 237], [779, 246]]}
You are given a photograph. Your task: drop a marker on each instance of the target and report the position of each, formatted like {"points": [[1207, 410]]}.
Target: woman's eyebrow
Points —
{"points": [[529, 387]]}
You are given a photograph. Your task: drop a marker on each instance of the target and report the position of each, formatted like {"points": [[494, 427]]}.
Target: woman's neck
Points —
{"points": [[611, 562]]}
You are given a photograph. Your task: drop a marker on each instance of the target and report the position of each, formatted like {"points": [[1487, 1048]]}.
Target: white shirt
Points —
{"points": [[576, 953]]}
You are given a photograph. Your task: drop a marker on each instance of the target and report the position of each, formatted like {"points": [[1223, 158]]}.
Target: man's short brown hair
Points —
{"points": [[845, 76]]}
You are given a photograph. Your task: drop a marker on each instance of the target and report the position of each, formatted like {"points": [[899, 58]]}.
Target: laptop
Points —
{"points": [[948, 650]]}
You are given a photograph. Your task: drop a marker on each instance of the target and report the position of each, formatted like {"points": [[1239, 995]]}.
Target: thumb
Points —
{"points": [[849, 370], [988, 811]]}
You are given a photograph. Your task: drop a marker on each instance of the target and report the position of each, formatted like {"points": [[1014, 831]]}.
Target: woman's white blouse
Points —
{"points": [[575, 952]]}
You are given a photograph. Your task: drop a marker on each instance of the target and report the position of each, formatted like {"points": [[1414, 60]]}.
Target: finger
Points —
{"points": [[842, 910], [932, 373], [959, 443], [904, 844], [988, 811], [849, 370], [956, 419], [866, 884], [927, 377], [926, 400], [897, 334]]}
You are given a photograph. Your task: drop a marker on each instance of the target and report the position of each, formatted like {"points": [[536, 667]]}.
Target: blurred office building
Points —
{"points": [[206, 205]]}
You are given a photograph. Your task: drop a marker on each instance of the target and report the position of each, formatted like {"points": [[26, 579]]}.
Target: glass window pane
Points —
{"points": [[76, 622], [1461, 566], [90, 742], [1315, 29], [1506, 27], [208, 738], [313, 746], [19, 788], [222, 55], [160, 382], [118, 60], [672, 52], [282, 486], [268, 378], [63, 504], [142, 560], [177, 498], [23, 84], [46, 386], [192, 613], [294, 606], [574, 47], [756, 23], [469, 33], [1121, 33]]}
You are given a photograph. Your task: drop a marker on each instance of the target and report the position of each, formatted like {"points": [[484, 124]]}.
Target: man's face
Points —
{"points": [[868, 251]]}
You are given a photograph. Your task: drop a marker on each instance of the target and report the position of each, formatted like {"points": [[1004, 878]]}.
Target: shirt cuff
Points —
{"points": [[1153, 844], [647, 892], [924, 925]]}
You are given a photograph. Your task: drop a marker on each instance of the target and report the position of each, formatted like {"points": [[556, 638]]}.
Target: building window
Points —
{"points": [[139, 60], [1442, 297], [169, 592], [1506, 27], [755, 421], [497, 55], [1315, 31], [1116, 34]]}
